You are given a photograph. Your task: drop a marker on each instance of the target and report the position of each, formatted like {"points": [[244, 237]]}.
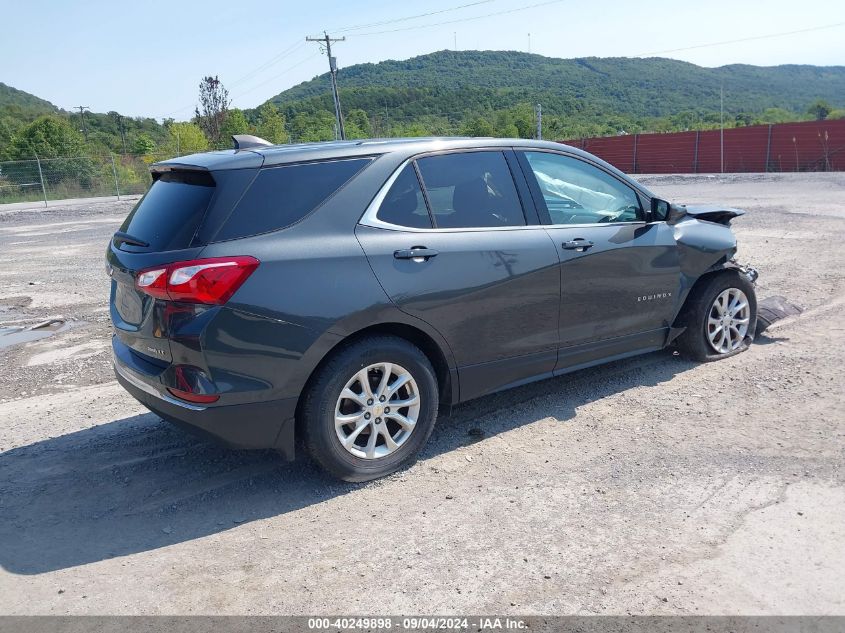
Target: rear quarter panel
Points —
{"points": [[314, 287]]}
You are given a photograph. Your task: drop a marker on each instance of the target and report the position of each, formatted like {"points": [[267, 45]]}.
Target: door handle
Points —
{"points": [[577, 244], [416, 253]]}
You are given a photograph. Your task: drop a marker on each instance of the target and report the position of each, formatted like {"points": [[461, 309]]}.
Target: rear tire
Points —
{"points": [[360, 431], [717, 326]]}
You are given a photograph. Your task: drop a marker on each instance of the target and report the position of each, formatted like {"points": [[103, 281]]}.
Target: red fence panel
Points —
{"points": [[666, 153], [616, 150], [746, 147], [806, 146], [813, 146]]}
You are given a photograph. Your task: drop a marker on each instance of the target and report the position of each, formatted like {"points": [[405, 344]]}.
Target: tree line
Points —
{"points": [[31, 129]]}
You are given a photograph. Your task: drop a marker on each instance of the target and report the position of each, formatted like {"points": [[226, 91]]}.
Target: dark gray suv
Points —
{"points": [[344, 292]]}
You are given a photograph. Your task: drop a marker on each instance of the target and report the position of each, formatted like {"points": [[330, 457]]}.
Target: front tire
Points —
{"points": [[370, 409], [720, 316]]}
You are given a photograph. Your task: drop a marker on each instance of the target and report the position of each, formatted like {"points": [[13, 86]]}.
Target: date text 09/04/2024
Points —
{"points": [[491, 623]]}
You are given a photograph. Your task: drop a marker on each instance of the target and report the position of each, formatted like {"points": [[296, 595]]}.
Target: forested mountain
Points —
{"points": [[583, 96], [642, 87], [474, 93]]}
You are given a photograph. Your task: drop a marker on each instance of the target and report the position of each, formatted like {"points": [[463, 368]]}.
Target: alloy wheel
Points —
{"points": [[727, 320], [377, 410]]}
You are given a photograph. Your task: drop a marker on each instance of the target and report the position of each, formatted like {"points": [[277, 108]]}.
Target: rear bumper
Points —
{"points": [[250, 425]]}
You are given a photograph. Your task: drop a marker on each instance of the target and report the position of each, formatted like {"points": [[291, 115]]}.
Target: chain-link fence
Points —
{"points": [[44, 179]]}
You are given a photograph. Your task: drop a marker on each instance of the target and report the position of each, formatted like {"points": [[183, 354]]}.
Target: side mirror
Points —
{"points": [[659, 209]]}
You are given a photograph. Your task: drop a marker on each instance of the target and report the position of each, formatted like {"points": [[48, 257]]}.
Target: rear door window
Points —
{"points": [[281, 196], [404, 204], [168, 215], [471, 189]]}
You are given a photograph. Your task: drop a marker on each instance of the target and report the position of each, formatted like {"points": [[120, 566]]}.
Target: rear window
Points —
{"points": [[281, 196], [168, 215]]}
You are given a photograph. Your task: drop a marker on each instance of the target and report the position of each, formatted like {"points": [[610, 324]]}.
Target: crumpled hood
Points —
{"points": [[708, 213]]}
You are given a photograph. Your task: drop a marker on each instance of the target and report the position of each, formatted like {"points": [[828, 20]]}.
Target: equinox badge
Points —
{"points": [[659, 295]]}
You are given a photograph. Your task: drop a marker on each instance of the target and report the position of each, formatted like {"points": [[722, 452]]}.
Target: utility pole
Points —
{"points": [[327, 42], [455, 35], [82, 110], [122, 132], [722, 125], [529, 43], [539, 122], [119, 118]]}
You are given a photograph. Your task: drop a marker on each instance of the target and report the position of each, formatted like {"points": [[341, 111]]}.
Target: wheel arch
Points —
{"points": [[446, 377], [689, 331], [724, 266], [440, 358]]}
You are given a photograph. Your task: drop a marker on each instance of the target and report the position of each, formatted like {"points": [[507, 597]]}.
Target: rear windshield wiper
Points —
{"points": [[124, 238]]}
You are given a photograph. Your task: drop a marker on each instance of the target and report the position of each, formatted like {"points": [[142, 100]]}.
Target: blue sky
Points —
{"points": [[146, 58]]}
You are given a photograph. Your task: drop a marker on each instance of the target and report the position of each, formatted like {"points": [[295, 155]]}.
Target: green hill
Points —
{"points": [[474, 93], [105, 132], [602, 92], [17, 109], [12, 98]]}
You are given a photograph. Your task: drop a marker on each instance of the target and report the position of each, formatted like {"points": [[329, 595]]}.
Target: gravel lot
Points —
{"points": [[648, 486]]}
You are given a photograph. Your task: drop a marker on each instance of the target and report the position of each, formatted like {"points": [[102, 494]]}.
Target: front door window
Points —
{"points": [[576, 192]]}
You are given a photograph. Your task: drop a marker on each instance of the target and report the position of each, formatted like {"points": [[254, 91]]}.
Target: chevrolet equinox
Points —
{"points": [[342, 293]]}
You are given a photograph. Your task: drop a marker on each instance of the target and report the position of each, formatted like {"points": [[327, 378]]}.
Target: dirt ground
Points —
{"points": [[648, 486]]}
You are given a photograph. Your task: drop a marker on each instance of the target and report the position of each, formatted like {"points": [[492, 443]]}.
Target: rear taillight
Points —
{"points": [[153, 282], [212, 281]]}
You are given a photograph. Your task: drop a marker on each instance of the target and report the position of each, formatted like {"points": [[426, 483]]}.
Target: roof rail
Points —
{"points": [[248, 141]]}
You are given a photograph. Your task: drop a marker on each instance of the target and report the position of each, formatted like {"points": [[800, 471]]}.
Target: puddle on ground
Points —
{"points": [[15, 335]]}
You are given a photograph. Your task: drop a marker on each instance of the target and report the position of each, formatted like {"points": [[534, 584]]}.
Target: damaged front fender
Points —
{"points": [[749, 272], [702, 248], [706, 244]]}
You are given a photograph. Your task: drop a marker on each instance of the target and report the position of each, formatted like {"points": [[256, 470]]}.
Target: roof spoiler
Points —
{"points": [[248, 141]]}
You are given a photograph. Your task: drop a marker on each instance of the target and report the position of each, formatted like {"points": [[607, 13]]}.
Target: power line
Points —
{"points": [[290, 50], [270, 62], [295, 47], [274, 77], [411, 17], [744, 39], [458, 20]]}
